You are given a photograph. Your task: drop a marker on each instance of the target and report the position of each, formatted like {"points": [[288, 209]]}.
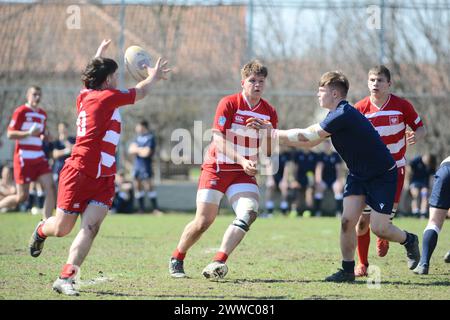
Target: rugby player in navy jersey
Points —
{"points": [[439, 209], [372, 173]]}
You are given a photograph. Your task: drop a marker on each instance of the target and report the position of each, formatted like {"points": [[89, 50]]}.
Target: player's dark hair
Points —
{"points": [[381, 69], [144, 123], [336, 80], [96, 72]]}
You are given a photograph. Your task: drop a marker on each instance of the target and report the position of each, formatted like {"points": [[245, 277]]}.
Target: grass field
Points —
{"points": [[281, 258]]}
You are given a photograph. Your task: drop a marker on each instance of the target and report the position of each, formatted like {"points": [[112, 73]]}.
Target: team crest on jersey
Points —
{"points": [[394, 120], [239, 119], [222, 121], [213, 182]]}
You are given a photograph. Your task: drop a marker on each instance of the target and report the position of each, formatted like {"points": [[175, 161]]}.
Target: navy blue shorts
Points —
{"points": [[379, 191], [142, 173], [329, 182], [278, 177], [418, 184], [440, 194]]}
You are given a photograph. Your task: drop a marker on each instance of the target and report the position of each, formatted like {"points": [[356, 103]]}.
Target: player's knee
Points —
{"points": [[201, 225], [361, 227], [345, 224], [246, 213], [92, 229], [244, 222]]}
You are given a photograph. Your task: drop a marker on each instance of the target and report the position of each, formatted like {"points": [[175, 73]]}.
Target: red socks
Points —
{"points": [[40, 232], [221, 256], [178, 255], [68, 271], [363, 248]]}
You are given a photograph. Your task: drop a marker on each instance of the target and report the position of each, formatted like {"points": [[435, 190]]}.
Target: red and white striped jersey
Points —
{"points": [[231, 115], [98, 131], [29, 150], [390, 121]]}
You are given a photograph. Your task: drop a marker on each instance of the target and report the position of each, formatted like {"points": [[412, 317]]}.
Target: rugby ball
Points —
{"points": [[135, 58]]}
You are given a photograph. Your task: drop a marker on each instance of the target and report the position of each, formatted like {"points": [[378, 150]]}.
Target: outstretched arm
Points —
{"points": [[306, 138], [102, 48]]}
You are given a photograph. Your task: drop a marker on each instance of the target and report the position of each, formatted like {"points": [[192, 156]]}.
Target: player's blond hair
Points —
{"points": [[254, 67], [335, 80], [380, 70]]}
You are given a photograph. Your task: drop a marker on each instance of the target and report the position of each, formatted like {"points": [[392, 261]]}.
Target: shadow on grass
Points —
{"points": [[300, 281], [180, 296], [426, 284]]}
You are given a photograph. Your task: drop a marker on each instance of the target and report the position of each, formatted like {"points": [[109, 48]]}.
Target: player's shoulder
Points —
{"points": [[231, 98], [399, 101], [22, 108], [363, 103], [229, 102]]}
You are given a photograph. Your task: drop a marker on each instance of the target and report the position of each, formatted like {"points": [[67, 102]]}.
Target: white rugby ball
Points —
{"points": [[135, 58]]}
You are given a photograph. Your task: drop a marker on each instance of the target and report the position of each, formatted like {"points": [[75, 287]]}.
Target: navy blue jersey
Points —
{"points": [[357, 142], [58, 163], [145, 140], [420, 172], [306, 161], [330, 163]]}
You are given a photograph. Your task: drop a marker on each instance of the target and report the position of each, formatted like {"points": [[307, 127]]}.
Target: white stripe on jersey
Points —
{"points": [[396, 147], [244, 132], [35, 114], [401, 162], [390, 130], [253, 114], [383, 113], [112, 137], [223, 159], [417, 120], [241, 187], [29, 154], [28, 124], [107, 160], [31, 141], [116, 115]]}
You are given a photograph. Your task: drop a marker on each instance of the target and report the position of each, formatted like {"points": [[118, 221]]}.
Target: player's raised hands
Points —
{"points": [[249, 167], [102, 48], [159, 71]]}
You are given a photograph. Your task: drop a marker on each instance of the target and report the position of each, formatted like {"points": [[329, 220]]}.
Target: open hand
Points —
{"points": [[159, 71]]}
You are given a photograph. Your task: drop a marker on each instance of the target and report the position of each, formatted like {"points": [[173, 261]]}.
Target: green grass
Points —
{"points": [[280, 258]]}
